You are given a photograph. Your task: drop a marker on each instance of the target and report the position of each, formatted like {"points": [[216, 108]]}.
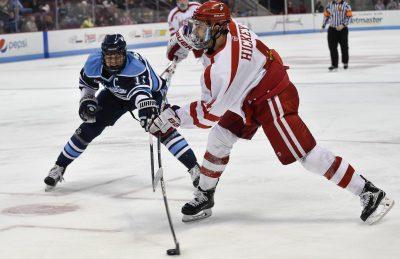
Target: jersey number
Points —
{"points": [[140, 80]]}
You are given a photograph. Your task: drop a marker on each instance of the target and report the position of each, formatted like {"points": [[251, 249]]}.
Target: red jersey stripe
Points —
{"points": [[235, 52], [207, 77], [207, 114], [193, 114]]}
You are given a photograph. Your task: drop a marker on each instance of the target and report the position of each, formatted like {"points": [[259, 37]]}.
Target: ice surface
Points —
{"points": [[263, 209]]}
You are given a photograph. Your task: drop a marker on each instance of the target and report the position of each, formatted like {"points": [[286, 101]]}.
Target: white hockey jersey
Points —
{"points": [[177, 18], [229, 75]]}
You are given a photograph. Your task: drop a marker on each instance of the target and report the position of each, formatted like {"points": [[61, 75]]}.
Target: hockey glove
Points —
{"points": [[178, 47], [148, 110], [88, 107], [165, 121]]}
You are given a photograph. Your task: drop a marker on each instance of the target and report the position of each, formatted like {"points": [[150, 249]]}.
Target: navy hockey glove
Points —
{"points": [[88, 107], [166, 120], [148, 110]]}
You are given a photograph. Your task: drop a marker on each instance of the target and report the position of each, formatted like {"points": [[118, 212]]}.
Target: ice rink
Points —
{"points": [[106, 207]]}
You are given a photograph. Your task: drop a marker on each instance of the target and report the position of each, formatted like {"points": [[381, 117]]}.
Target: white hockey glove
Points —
{"points": [[88, 107], [178, 47], [165, 121]]}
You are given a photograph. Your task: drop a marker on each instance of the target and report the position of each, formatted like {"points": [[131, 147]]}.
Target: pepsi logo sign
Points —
{"points": [[3, 45]]}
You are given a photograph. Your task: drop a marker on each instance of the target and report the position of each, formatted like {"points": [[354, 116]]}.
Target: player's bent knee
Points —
{"points": [[318, 160], [88, 132], [220, 141]]}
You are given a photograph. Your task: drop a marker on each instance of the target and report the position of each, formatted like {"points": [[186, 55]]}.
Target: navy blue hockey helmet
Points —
{"points": [[113, 50]]}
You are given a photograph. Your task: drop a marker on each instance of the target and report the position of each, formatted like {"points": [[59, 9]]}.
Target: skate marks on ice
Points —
{"points": [[40, 209], [62, 190], [59, 228]]}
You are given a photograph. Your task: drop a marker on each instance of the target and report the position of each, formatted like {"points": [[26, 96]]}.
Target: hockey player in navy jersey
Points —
{"points": [[129, 83]]}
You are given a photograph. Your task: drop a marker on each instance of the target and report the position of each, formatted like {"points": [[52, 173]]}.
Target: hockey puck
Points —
{"points": [[173, 251]]}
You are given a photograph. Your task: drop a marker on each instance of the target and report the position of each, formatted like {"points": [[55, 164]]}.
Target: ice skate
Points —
{"points": [[375, 203], [200, 207], [195, 175], [55, 175]]}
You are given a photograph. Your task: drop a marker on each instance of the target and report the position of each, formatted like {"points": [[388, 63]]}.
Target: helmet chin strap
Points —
{"points": [[214, 38]]}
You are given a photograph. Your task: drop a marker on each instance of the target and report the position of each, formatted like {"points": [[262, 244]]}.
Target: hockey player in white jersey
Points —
{"points": [[245, 86], [180, 14]]}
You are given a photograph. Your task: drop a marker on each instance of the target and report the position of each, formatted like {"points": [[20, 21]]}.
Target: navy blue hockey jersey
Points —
{"points": [[137, 77]]}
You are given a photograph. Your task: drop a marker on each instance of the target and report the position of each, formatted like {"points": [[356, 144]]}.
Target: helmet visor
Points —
{"points": [[114, 61], [198, 33]]}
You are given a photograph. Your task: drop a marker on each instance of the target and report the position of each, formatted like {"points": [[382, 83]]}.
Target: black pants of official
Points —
{"points": [[336, 37]]}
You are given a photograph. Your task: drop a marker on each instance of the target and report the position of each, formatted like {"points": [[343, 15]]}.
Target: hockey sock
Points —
{"points": [[334, 168], [344, 175], [207, 183], [179, 147], [73, 149]]}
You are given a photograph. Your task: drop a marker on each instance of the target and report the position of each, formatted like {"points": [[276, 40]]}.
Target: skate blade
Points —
{"points": [[203, 215], [384, 207]]}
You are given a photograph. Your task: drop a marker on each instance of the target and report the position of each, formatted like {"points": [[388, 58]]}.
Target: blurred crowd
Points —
{"points": [[387, 5], [42, 15]]}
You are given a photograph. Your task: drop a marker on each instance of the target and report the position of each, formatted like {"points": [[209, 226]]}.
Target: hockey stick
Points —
{"points": [[167, 75], [151, 153]]}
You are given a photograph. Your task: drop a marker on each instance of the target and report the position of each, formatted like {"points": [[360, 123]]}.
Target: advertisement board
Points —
{"points": [[26, 46], [375, 19], [69, 42], [21, 46], [272, 24]]}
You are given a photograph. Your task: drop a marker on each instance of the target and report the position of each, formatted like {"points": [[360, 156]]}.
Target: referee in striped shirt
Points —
{"points": [[338, 14]]}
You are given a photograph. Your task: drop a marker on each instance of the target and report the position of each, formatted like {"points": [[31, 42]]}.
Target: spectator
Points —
{"points": [[290, 8], [34, 5], [9, 14], [87, 23], [62, 10], [319, 7], [379, 5], [44, 20], [302, 7], [392, 5], [2, 31], [29, 24], [126, 19]]}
